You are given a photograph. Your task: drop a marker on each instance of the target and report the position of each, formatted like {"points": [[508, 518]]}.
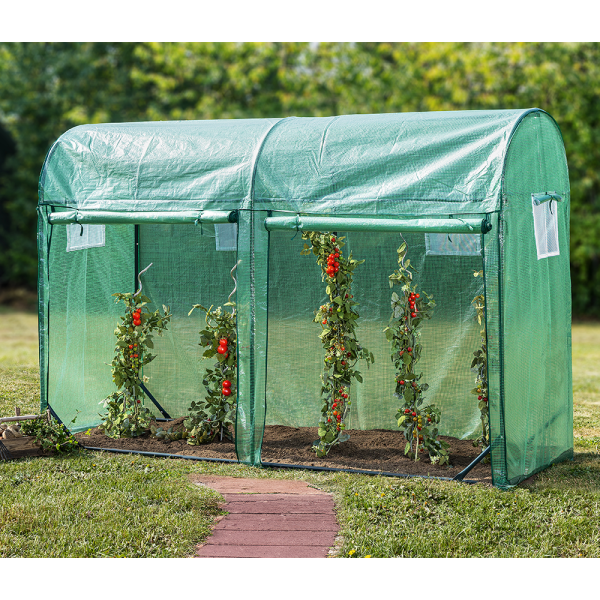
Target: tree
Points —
{"points": [[46, 88]]}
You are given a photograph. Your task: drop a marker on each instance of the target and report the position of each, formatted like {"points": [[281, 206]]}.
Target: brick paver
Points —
{"points": [[270, 519]]}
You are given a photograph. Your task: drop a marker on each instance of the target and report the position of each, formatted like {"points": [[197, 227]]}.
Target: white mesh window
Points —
{"points": [[226, 236], [452, 244], [545, 224], [80, 237]]}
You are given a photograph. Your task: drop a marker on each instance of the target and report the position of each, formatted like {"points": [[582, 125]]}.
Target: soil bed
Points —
{"points": [[376, 450]]}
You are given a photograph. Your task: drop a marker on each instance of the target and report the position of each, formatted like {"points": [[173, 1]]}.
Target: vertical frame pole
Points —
{"points": [[44, 234], [252, 304]]}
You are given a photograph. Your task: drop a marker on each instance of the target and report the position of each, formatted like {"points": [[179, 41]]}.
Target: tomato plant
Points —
{"points": [[126, 415], [479, 366], [50, 434], [214, 414], [342, 350], [417, 420]]}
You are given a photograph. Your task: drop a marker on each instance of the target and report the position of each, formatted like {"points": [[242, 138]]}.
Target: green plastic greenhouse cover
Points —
{"points": [[167, 194], [451, 162]]}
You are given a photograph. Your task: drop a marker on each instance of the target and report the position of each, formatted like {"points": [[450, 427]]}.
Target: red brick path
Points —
{"points": [[270, 519]]}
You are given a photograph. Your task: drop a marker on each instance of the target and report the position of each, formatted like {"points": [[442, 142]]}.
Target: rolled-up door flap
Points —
{"points": [[88, 217], [475, 225]]}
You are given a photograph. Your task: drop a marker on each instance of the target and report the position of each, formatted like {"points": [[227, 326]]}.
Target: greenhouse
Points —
{"points": [[468, 193]]}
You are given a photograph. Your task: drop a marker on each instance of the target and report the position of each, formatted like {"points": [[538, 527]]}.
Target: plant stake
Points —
{"points": [[214, 415], [342, 350], [479, 366], [127, 417], [409, 310]]}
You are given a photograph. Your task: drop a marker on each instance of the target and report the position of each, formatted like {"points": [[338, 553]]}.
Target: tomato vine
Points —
{"points": [[479, 366], [409, 310], [342, 349], [126, 415], [214, 415]]}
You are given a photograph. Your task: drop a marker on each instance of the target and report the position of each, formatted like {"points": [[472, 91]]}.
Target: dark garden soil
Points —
{"points": [[376, 450]]}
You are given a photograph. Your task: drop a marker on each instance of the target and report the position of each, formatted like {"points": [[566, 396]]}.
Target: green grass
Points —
{"points": [[99, 504], [19, 362]]}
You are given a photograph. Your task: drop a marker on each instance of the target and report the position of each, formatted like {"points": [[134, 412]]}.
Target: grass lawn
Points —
{"points": [[103, 505]]}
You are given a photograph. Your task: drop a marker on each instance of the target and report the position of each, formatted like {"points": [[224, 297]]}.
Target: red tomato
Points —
{"points": [[226, 383], [221, 350], [226, 391], [223, 342]]}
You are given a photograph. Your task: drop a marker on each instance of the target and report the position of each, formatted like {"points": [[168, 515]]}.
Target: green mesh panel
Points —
{"points": [[200, 274], [82, 317], [537, 381], [295, 357]]}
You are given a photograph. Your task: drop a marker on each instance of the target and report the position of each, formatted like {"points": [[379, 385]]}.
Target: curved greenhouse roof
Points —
{"points": [[370, 164]]}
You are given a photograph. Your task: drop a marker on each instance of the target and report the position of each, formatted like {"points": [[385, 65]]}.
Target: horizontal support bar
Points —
{"points": [[98, 217], [307, 223], [270, 465]]}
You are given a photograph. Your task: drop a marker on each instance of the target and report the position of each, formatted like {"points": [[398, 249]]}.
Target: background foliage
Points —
{"points": [[46, 88]]}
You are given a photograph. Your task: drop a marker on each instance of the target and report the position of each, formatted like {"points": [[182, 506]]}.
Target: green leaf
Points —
{"points": [[401, 420]]}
